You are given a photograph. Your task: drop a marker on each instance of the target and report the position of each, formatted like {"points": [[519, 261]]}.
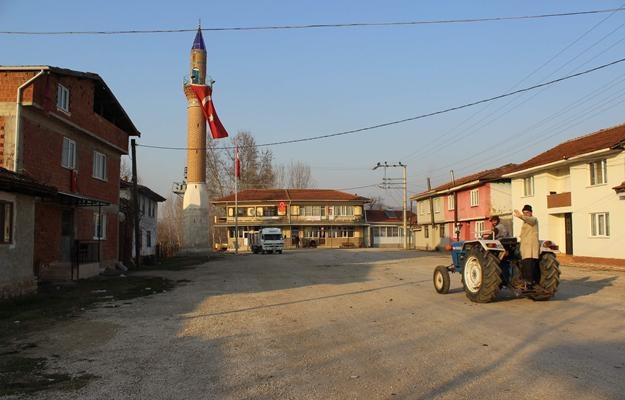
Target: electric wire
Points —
{"points": [[319, 26], [421, 116], [480, 124]]}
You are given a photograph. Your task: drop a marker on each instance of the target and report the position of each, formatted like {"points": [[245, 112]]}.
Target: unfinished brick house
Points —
{"points": [[66, 129]]}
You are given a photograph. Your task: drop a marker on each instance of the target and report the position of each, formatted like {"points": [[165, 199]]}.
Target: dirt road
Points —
{"points": [[344, 324]]}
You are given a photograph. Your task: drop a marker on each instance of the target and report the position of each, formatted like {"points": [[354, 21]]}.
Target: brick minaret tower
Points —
{"points": [[195, 203]]}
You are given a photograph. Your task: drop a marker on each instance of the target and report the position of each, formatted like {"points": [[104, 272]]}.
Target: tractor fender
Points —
{"points": [[485, 244]]}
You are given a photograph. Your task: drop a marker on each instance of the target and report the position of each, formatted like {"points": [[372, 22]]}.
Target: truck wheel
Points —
{"points": [[549, 276], [441, 279], [482, 275]]}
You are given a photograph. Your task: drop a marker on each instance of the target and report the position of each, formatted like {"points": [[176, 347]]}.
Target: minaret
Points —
{"points": [[195, 203]]}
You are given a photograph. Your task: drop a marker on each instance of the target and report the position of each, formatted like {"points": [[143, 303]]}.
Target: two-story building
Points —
{"points": [[67, 130], [307, 217], [148, 218], [576, 192], [459, 210]]}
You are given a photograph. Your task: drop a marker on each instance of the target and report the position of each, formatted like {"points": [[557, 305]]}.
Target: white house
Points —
{"points": [[576, 191], [148, 217]]}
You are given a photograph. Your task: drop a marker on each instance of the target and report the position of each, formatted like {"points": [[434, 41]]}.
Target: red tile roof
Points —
{"points": [[489, 175], [291, 195], [604, 139]]}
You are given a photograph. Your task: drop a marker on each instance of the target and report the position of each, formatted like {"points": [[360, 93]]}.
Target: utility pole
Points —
{"points": [[456, 226], [135, 203], [388, 183]]}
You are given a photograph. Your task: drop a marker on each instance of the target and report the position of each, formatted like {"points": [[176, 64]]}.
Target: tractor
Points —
{"points": [[486, 266]]}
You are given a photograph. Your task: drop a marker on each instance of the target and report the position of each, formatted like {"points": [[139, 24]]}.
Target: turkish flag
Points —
{"points": [[204, 95]]}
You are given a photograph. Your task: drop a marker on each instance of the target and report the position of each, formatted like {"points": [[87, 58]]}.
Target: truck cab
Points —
{"points": [[267, 240]]}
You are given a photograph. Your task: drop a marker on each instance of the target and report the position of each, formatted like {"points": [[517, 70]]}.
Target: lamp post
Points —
{"points": [[392, 182]]}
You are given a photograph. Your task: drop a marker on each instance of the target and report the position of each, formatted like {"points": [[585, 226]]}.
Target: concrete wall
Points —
{"points": [[16, 259]]}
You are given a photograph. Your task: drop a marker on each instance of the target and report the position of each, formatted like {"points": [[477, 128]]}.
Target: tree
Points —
{"points": [[256, 166], [296, 175], [376, 203], [170, 224]]}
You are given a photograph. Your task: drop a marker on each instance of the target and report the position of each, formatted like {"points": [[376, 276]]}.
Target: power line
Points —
{"points": [[401, 121], [319, 26]]}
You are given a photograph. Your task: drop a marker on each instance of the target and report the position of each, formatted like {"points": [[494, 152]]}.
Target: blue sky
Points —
{"points": [[290, 84]]}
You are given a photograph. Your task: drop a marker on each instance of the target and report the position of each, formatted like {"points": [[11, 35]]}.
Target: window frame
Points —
{"points": [[451, 202], [97, 227], [62, 98], [475, 197], [528, 186], [595, 227], [6, 222], [99, 166], [598, 166], [68, 152], [478, 229]]}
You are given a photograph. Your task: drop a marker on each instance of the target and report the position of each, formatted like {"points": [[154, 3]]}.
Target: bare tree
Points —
{"points": [[376, 203], [295, 175], [125, 169], [300, 176], [170, 224], [256, 166]]}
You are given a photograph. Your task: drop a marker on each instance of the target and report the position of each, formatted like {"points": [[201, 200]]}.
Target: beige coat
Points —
{"points": [[529, 237]]}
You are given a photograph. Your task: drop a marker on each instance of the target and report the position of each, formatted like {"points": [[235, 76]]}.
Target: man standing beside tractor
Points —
{"points": [[530, 247]]}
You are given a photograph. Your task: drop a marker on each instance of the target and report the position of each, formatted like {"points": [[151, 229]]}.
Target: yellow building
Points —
{"points": [[307, 217]]}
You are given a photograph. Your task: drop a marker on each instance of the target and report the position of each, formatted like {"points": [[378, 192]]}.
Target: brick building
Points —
{"points": [[66, 129]]}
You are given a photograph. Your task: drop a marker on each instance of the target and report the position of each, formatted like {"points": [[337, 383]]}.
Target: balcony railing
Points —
{"points": [[559, 200]]}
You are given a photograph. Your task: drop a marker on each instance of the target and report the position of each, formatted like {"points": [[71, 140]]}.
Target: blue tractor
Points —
{"points": [[487, 266]]}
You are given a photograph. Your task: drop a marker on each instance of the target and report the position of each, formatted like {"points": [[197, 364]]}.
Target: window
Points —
{"points": [[441, 229], [392, 231], [69, 154], [528, 186], [148, 238], [377, 231], [343, 210], [99, 165], [451, 202], [312, 211], [6, 222], [270, 211], [600, 224], [437, 205], [426, 231], [479, 229], [598, 172], [475, 198], [62, 98], [99, 223], [421, 208]]}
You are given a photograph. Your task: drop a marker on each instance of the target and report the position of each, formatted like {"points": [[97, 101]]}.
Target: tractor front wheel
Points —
{"points": [[549, 277], [481, 275], [441, 279]]}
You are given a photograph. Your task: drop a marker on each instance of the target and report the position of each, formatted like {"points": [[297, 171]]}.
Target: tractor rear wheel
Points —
{"points": [[482, 275], [549, 277], [441, 279]]}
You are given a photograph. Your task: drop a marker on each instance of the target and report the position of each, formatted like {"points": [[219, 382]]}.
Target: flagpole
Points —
{"points": [[236, 203]]}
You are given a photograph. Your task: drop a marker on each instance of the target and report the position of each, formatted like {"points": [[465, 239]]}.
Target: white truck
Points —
{"points": [[267, 240]]}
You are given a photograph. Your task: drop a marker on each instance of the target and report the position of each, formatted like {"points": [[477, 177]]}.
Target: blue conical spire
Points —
{"points": [[198, 43]]}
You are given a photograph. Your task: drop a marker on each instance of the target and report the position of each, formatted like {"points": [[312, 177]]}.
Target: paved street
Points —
{"points": [[345, 324]]}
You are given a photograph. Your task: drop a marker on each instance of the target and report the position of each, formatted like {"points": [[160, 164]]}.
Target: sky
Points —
{"points": [[302, 83]]}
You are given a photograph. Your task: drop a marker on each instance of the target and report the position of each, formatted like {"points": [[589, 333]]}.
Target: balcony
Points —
{"points": [[559, 200]]}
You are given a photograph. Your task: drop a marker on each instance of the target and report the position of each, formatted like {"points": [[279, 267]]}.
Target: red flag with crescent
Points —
{"points": [[204, 94]]}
